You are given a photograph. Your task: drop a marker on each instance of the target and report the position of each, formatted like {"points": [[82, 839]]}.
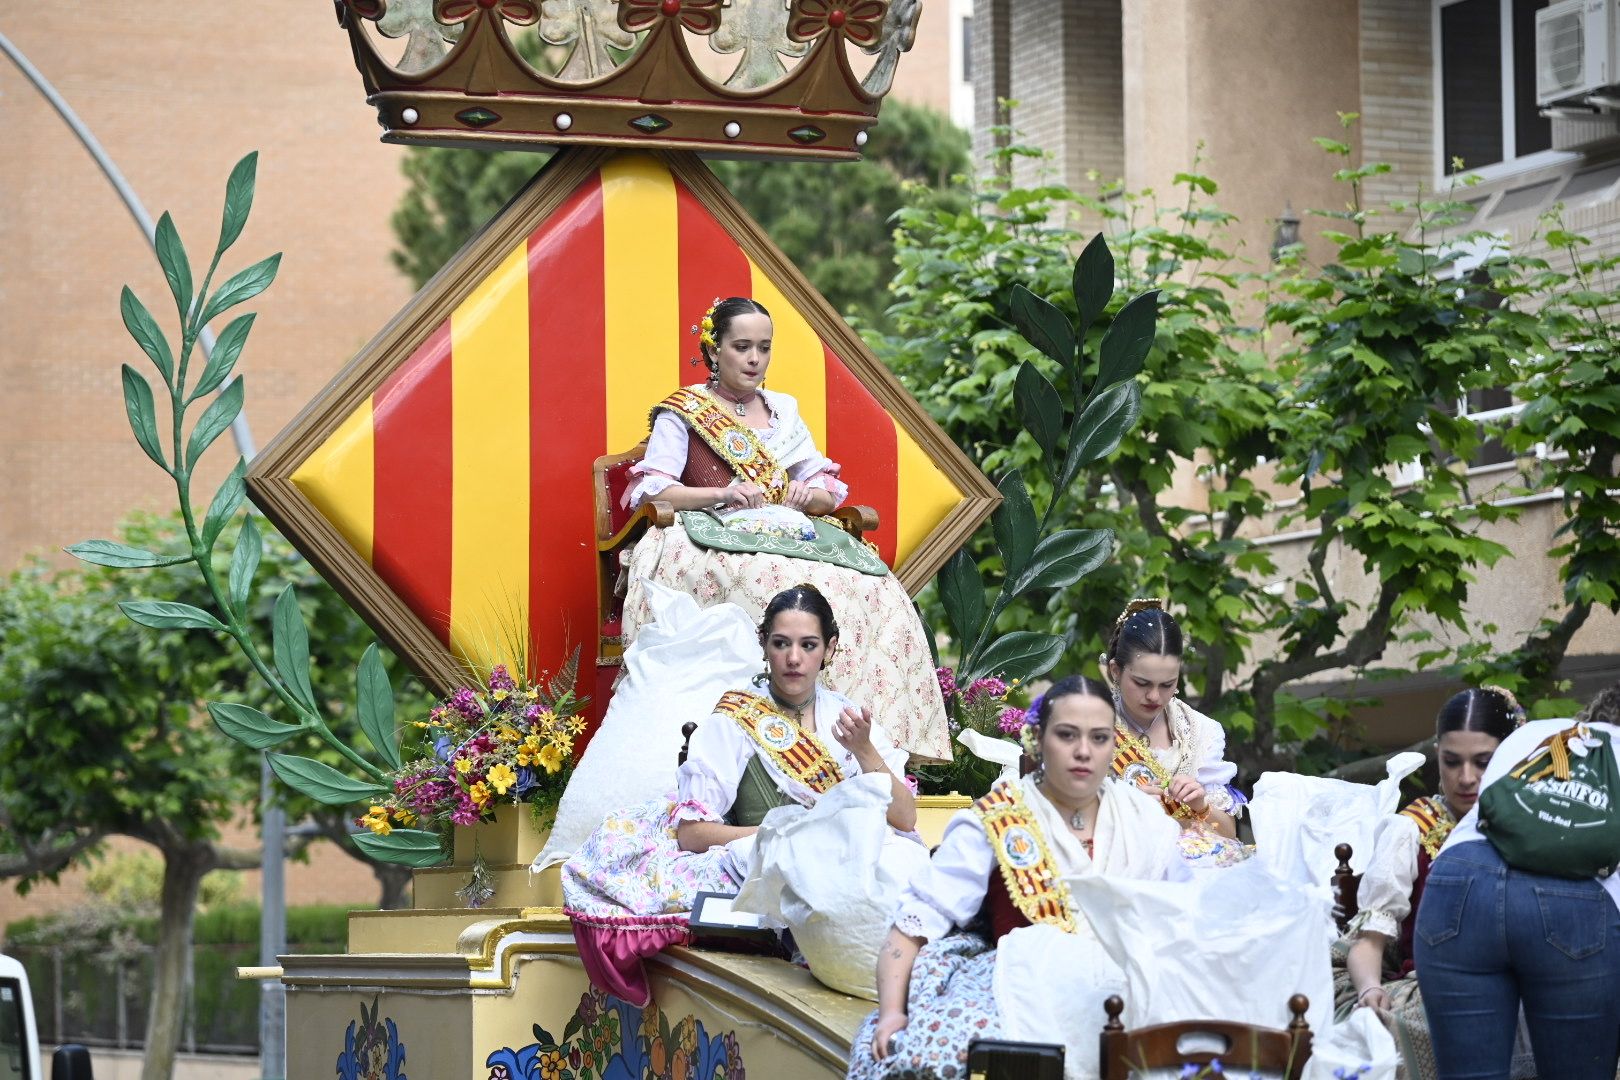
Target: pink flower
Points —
{"points": [[911, 782], [501, 679], [981, 688], [947, 680], [1011, 721]]}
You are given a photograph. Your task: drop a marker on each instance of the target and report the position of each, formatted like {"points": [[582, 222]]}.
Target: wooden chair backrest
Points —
{"points": [[1245, 1047], [610, 477], [1346, 885]]}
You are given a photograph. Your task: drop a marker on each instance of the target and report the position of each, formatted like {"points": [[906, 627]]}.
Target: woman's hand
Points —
{"points": [[798, 495], [853, 730], [1189, 792], [888, 1026], [1374, 997], [745, 495]]}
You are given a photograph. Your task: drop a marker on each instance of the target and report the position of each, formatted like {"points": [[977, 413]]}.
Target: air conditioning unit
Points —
{"points": [[1576, 50]]}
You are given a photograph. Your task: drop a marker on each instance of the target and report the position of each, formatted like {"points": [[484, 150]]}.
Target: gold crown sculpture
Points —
{"points": [[630, 79]]}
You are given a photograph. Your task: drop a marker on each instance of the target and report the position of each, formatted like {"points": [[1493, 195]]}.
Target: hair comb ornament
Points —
{"points": [[1141, 603], [1514, 708]]}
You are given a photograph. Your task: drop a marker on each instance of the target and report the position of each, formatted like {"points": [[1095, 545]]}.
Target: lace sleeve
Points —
{"points": [[1385, 896], [952, 891], [660, 467]]}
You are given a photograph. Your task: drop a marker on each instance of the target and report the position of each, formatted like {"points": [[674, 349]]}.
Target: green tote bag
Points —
{"points": [[1554, 812]]}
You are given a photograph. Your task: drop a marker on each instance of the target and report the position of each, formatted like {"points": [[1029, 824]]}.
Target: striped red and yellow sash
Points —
{"points": [[1136, 763], [1433, 820], [737, 444], [795, 751], [1027, 867]]}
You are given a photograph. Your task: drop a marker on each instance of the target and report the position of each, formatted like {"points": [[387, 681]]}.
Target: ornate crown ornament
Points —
{"points": [[630, 78]]}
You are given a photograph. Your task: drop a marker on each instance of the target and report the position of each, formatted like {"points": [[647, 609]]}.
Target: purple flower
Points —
{"points": [[501, 679], [443, 748], [988, 687], [465, 702], [947, 680], [466, 811], [1011, 720]]}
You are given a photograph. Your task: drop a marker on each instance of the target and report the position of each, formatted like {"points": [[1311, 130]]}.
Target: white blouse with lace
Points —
{"points": [[787, 438], [1198, 749], [1385, 894], [720, 750]]}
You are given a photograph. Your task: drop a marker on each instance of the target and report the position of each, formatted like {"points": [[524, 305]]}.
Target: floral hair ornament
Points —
{"points": [[1515, 710], [1030, 736], [704, 327]]}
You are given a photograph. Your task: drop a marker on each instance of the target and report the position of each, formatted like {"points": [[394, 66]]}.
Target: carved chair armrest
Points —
{"points": [[856, 519], [653, 513]]}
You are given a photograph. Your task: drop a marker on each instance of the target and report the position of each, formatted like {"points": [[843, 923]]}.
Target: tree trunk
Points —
{"points": [[183, 870], [395, 880]]}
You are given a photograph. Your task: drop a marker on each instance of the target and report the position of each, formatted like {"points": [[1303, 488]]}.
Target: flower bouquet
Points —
{"points": [[504, 742], [983, 705]]}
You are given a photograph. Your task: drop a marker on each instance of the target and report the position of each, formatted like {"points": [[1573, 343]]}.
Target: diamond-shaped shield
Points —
{"points": [[443, 481]]}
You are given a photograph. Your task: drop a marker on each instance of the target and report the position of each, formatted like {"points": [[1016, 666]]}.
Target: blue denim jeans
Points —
{"points": [[1489, 938]]}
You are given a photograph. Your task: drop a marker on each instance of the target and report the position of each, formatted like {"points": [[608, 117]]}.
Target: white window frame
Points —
{"points": [[1511, 164]]}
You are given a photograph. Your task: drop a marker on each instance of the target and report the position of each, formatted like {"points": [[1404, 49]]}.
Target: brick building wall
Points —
{"points": [[1397, 96]]}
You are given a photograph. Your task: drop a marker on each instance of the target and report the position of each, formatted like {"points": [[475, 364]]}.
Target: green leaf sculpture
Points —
{"points": [[178, 452]]}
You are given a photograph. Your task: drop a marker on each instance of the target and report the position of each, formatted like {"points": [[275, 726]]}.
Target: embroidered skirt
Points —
{"points": [[629, 891], [951, 1002], [882, 661]]}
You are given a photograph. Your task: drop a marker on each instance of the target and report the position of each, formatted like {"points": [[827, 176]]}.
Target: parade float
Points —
{"points": [[459, 482], [449, 483]]}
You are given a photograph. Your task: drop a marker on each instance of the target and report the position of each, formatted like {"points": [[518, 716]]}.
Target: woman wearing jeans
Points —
{"points": [[1490, 937]]}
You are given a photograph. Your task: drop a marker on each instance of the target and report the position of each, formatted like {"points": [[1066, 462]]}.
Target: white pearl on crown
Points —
{"points": [[410, 116], [733, 129], [564, 121]]}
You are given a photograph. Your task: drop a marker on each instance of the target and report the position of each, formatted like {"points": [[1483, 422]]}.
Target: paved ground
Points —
{"points": [[126, 1065]]}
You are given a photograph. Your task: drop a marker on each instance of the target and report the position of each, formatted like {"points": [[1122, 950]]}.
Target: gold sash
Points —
{"points": [[1433, 820], [1137, 764], [795, 751], [1027, 868], [737, 444]]}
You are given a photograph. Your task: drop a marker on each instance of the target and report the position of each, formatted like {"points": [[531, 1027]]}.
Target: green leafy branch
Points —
{"points": [[287, 672], [1072, 431]]}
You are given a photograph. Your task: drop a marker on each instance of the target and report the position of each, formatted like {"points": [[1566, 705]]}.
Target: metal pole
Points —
{"points": [[273, 909]]}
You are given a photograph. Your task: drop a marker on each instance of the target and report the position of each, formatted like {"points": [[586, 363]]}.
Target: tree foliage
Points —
{"points": [[1313, 400], [832, 220]]}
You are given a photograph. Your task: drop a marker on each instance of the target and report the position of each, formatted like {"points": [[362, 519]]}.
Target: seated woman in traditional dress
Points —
{"points": [[739, 463], [995, 912], [1378, 971], [1165, 746], [783, 739]]}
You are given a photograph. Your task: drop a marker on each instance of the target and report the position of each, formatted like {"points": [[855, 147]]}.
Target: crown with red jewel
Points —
{"points": [[629, 77]]}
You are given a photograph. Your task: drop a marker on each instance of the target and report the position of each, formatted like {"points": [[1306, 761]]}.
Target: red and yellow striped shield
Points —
{"points": [[443, 481]]}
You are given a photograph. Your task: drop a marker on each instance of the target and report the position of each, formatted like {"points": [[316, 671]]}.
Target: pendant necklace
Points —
{"points": [[739, 407], [1077, 820], [797, 711]]}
